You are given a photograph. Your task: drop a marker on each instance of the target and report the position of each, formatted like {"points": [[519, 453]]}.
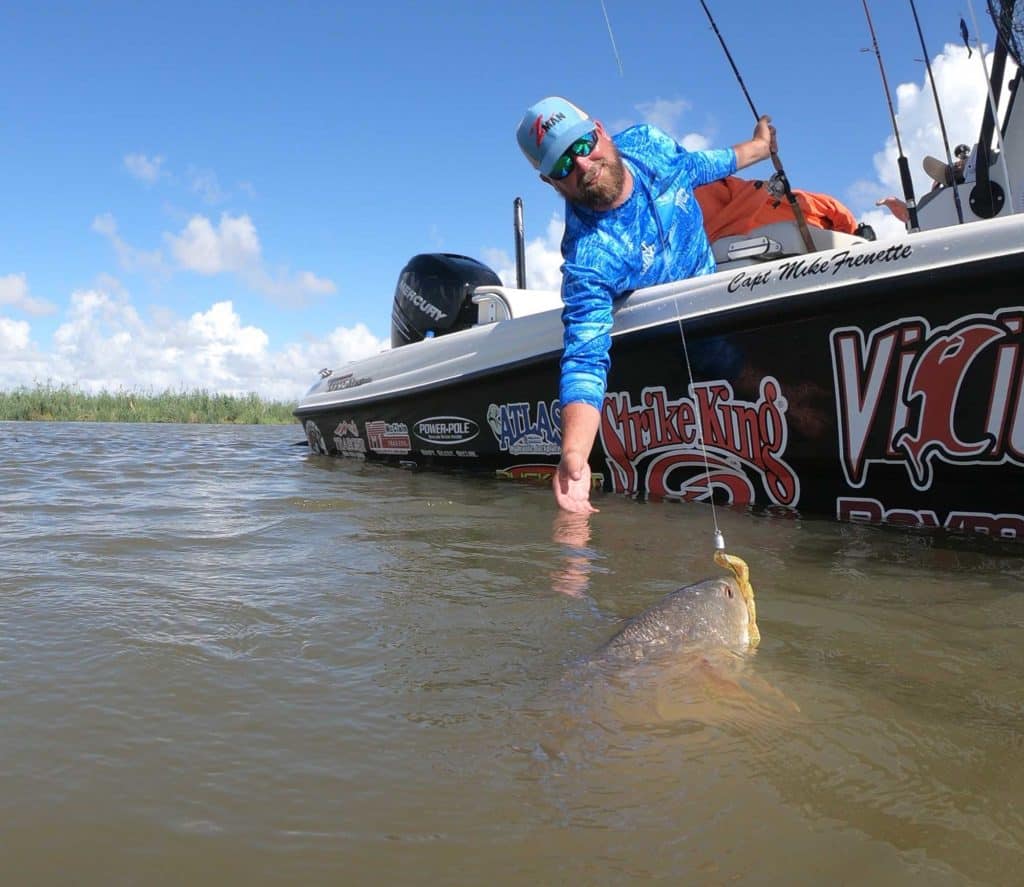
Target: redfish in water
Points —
{"points": [[713, 614]]}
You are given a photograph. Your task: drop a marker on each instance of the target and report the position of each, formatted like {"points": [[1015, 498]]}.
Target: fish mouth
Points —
{"points": [[738, 567]]}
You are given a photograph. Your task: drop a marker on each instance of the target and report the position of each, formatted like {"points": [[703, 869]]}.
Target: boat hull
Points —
{"points": [[886, 390]]}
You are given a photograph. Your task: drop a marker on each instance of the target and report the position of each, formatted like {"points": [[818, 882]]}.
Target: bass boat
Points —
{"points": [[866, 380]]}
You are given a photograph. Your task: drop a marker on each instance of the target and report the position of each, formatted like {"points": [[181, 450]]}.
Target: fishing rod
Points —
{"points": [[942, 122], [904, 165], [982, 155], [780, 173]]}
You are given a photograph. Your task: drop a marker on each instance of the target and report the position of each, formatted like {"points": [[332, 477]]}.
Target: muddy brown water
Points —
{"points": [[223, 660]]}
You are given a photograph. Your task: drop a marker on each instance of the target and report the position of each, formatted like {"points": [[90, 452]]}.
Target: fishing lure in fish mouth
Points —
{"points": [[738, 567]]}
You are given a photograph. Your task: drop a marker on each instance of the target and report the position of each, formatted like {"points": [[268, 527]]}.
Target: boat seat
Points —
{"points": [[776, 240], [496, 303]]}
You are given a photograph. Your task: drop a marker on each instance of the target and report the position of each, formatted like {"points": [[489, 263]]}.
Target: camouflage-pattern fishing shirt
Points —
{"points": [[655, 237]]}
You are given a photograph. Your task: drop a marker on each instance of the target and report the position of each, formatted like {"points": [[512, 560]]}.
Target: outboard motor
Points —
{"points": [[433, 296]]}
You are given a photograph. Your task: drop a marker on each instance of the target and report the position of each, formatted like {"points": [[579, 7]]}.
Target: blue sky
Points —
{"points": [[222, 195]]}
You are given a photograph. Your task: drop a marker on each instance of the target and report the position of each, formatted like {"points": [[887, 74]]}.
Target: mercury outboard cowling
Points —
{"points": [[433, 296]]}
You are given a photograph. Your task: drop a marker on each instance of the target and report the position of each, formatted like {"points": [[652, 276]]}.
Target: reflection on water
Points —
{"points": [[572, 574], [224, 660]]}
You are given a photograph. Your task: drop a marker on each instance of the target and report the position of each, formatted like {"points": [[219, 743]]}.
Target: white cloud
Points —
{"points": [[21, 361], [14, 292], [963, 94], [145, 169], [886, 226], [310, 283], [129, 257], [104, 344], [694, 141], [663, 113], [220, 329], [666, 114], [204, 183], [14, 335], [543, 259], [232, 245]]}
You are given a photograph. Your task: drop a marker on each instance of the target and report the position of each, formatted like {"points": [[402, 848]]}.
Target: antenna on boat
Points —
{"points": [[938, 109], [780, 173], [904, 165], [520, 241]]}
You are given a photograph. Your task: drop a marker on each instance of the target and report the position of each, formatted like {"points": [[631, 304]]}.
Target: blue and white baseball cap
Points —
{"points": [[547, 130]]}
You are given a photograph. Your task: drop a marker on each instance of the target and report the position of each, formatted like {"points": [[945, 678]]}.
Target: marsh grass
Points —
{"points": [[65, 404]]}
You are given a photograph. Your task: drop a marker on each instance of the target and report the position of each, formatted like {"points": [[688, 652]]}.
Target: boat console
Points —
{"points": [[775, 241]]}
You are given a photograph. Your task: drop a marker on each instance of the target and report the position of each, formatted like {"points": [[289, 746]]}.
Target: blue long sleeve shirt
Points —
{"points": [[656, 236]]}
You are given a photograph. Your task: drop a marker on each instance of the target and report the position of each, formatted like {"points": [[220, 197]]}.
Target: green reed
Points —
{"points": [[62, 403]]}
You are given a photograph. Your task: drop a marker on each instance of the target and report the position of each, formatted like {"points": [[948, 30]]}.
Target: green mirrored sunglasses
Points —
{"points": [[580, 148]]}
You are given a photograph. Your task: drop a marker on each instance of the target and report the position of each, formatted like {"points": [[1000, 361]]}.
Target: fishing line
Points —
{"points": [[719, 538], [736, 565], [732, 563], [611, 36]]}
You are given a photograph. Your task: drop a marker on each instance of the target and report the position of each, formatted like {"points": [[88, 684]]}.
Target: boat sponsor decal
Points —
{"points": [[446, 430], [408, 294], [388, 437], [349, 380], [348, 441], [540, 471], [315, 439], [829, 265], [527, 471], [527, 429], [463, 454], [655, 444], [911, 395], [998, 526]]}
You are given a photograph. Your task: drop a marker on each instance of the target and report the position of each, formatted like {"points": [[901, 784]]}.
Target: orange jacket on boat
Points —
{"points": [[735, 206]]}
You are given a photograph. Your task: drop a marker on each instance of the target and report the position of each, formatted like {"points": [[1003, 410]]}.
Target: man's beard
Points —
{"points": [[601, 194]]}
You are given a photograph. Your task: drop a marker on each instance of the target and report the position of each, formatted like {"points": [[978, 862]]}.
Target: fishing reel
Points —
{"points": [[777, 185]]}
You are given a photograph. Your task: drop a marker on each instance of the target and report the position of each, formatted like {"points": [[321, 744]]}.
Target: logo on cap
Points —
{"points": [[541, 126]]}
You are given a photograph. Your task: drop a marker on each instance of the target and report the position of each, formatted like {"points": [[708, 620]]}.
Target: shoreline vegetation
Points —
{"points": [[50, 403]]}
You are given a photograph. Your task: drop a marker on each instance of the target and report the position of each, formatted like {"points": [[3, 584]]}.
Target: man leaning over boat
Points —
{"points": [[631, 221]]}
